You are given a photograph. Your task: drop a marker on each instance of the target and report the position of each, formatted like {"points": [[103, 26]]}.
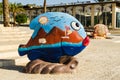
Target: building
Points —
{"points": [[89, 14]]}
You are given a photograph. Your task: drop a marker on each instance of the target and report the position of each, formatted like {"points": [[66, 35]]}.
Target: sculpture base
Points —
{"points": [[67, 64]]}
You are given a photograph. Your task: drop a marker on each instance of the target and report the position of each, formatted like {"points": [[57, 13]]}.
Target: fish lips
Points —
{"points": [[86, 41]]}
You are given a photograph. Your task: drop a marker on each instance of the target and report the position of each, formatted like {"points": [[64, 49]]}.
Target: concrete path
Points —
{"points": [[99, 61]]}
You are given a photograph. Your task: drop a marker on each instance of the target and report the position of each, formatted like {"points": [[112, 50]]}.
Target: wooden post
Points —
{"points": [[92, 15], [74, 11], [44, 6], [114, 15]]}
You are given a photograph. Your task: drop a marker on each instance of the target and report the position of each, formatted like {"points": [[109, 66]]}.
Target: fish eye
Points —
{"points": [[75, 25]]}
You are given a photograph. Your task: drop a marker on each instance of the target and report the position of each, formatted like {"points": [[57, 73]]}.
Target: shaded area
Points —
{"points": [[15, 68], [9, 64], [67, 65]]}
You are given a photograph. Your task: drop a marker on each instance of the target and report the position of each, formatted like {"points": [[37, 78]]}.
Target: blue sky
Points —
{"points": [[40, 2]]}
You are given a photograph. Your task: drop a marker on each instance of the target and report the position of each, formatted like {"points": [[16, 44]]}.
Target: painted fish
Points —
{"points": [[55, 34]]}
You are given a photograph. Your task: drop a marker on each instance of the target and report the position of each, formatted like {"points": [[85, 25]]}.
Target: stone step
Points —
{"points": [[13, 42], [13, 28], [21, 60], [14, 36], [9, 54], [114, 31], [11, 47], [12, 58], [14, 39], [15, 33], [7, 62], [10, 30], [10, 39], [14, 61], [4, 48]]}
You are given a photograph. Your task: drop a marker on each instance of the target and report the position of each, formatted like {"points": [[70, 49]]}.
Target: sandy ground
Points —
{"points": [[99, 61]]}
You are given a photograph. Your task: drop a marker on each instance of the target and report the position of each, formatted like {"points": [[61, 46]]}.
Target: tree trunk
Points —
{"points": [[14, 18], [6, 13], [44, 6]]}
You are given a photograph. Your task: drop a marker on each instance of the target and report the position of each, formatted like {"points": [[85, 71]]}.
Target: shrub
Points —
{"points": [[21, 18]]}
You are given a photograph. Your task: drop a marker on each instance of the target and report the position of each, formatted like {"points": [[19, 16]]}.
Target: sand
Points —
{"points": [[99, 61]]}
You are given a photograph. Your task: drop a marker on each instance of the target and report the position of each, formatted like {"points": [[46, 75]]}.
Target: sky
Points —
{"points": [[40, 2]]}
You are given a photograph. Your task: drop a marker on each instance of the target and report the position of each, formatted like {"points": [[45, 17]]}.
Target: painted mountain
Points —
{"points": [[54, 36]]}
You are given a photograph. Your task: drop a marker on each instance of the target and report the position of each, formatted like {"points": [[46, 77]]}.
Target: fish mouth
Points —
{"points": [[86, 41]]}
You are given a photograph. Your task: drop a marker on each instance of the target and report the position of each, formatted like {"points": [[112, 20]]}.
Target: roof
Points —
{"points": [[78, 4]]}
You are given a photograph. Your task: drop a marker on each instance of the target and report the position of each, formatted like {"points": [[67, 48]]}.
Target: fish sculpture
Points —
{"points": [[55, 35]]}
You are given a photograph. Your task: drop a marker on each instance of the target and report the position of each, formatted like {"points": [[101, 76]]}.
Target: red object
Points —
{"points": [[86, 41], [67, 28]]}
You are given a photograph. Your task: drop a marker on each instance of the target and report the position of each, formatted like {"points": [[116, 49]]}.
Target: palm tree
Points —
{"points": [[15, 8], [6, 13], [1, 8], [1, 11]]}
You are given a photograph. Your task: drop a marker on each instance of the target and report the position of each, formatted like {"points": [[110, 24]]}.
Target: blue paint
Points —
{"points": [[64, 19], [53, 52]]}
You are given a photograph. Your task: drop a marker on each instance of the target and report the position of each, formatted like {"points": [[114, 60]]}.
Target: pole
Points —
{"points": [[44, 6]]}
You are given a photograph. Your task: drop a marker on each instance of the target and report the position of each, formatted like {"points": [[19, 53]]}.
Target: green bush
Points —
{"points": [[21, 18]]}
